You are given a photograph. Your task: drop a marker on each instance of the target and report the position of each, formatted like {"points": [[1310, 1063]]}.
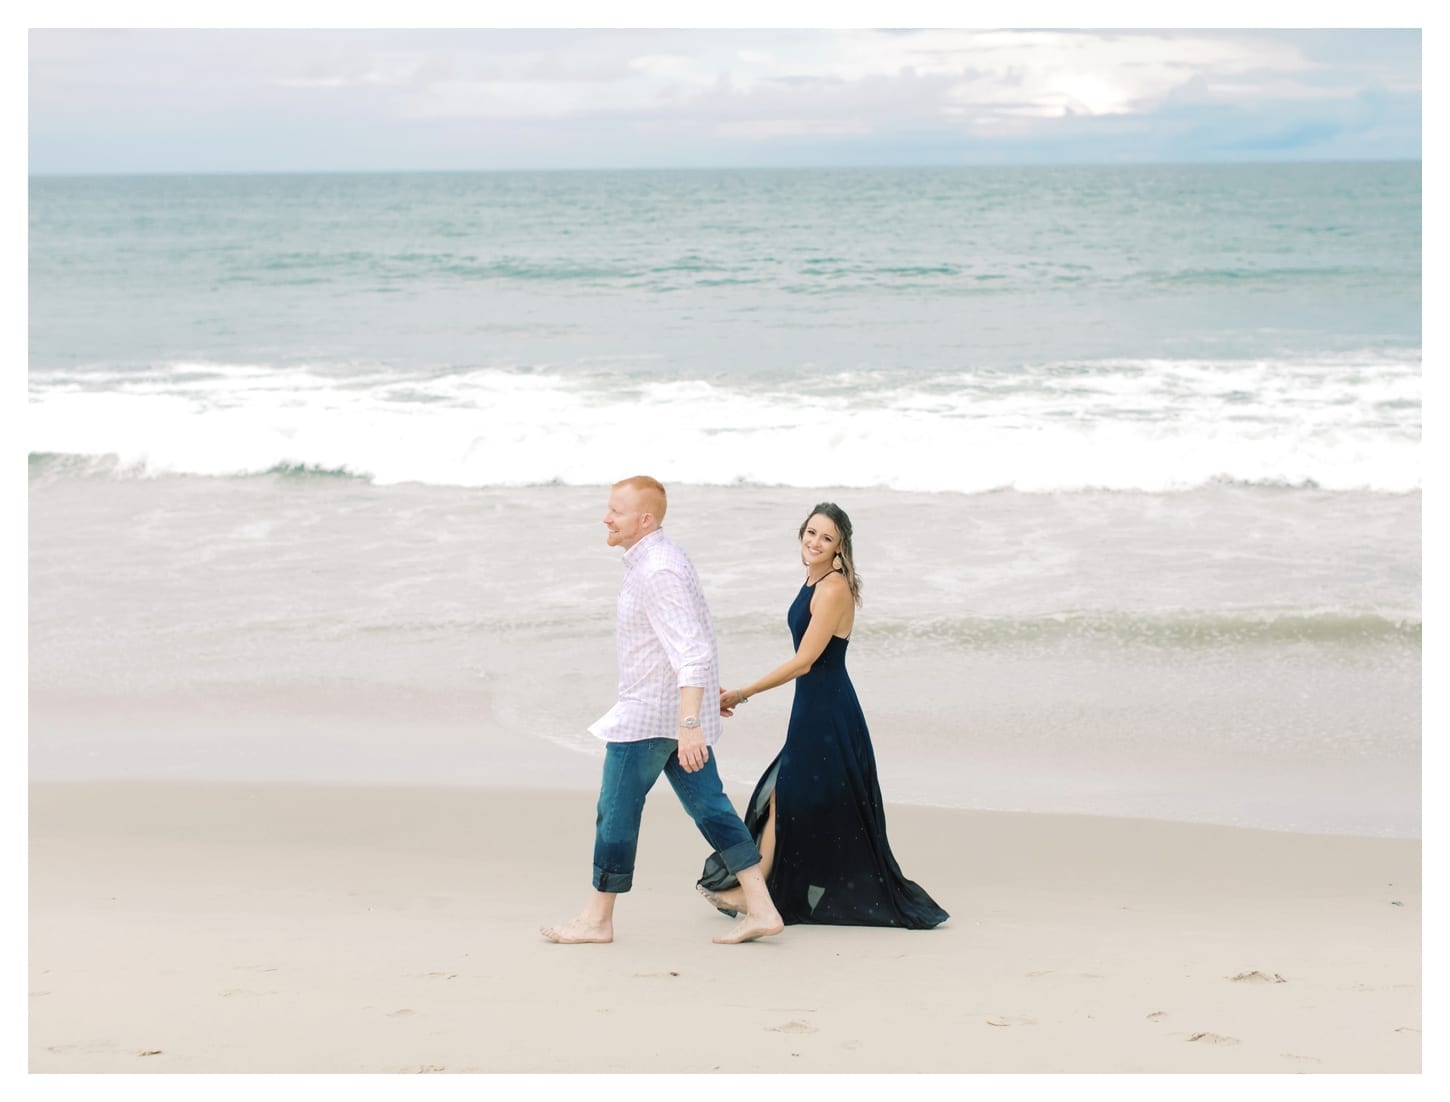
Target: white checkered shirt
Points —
{"points": [[665, 640]]}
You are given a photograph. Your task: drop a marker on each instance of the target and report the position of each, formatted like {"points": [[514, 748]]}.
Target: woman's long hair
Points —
{"points": [[844, 561]]}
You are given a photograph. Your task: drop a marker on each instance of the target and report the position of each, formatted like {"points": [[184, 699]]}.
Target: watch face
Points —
{"points": [[689, 721]]}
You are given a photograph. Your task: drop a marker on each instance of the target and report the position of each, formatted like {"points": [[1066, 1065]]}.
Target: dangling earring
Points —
{"points": [[837, 562]]}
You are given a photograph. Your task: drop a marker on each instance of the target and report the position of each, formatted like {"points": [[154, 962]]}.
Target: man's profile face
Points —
{"points": [[622, 518]]}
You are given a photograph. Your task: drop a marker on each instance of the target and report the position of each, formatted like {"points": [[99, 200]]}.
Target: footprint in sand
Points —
{"points": [[654, 975], [1213, 1039], [1157, 1015], [404, 1013], [793, 1026], [92, 1048], [1258, 977], [1003, 1020]]}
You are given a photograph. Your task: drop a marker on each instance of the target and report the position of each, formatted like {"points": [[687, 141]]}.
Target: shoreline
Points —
{"points": [[1094, 654], [410, 739], [232, 927]]}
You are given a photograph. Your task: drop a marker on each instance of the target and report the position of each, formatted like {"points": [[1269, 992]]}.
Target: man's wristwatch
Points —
{"points": [[691, 722]]}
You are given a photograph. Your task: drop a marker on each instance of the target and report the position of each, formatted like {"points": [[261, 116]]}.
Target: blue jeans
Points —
{"points": [[630, 771]]}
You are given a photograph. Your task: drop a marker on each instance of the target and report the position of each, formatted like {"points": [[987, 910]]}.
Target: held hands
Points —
{"points": [[730, 699]]}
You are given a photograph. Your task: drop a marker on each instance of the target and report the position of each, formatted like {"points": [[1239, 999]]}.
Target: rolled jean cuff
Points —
{"points": [[617, 882], [740, 856]]}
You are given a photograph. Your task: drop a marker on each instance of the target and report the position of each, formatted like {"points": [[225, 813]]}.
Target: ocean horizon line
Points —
{"points": [[750, 168]]}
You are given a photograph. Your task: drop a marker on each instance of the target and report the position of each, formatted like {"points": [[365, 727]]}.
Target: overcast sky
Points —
{"points": [[347, 100]]}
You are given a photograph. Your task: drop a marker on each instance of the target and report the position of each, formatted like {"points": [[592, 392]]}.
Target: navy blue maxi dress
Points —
{"points": [[832, 863]]}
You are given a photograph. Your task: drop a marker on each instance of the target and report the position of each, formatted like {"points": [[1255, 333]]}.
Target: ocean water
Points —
{"points": [[1133, 454]]}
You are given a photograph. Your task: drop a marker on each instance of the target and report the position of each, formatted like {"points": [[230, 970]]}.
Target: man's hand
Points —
{"points": [[693, 751]]}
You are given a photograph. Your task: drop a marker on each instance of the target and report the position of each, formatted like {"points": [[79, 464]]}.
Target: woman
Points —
{"points": [[816, 813]]}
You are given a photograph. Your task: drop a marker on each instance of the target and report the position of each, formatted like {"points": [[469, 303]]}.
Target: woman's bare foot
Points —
{"points": [[732, 901], [580, 931], [751, 927]]}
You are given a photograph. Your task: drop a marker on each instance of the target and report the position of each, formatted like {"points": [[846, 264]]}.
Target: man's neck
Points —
{"points": [[629, 552]]}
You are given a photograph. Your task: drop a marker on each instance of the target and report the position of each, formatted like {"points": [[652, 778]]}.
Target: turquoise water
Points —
{"points": [[733, 274], [1127, 328]]}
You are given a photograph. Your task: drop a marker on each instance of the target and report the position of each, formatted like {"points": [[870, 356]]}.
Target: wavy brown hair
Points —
{"points": [[845, 561]]}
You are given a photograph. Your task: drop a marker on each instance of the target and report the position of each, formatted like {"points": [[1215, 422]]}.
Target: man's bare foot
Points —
{"points": [[732, 902], [579, 931], [751, 927]]}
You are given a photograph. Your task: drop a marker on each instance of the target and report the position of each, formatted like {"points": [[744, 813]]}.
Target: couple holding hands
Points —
{"points": [[812, 847]]}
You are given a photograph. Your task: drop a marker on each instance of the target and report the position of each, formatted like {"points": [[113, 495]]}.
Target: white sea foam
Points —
{"points": [[1148, 425]]}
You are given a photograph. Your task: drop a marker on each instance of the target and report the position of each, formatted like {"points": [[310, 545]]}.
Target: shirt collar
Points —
{"points": [[633, 554]]}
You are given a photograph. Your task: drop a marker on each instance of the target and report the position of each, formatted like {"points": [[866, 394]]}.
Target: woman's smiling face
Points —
{"points": [[819, 543]]}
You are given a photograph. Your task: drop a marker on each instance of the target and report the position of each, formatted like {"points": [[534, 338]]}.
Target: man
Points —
{"points": [[668, 670]]}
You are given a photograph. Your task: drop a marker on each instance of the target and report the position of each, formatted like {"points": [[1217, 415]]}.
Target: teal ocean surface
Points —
{"points": [[1154, 328], [1133, 454]]}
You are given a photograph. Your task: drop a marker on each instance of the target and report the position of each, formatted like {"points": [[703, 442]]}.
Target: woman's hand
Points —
{"points": [[730, 699]]}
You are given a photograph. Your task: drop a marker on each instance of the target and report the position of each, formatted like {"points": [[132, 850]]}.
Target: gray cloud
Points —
{"points": [[254, 100]]}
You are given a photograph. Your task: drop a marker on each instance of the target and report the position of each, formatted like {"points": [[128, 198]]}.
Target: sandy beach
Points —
{"points": [[193, 927]]}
